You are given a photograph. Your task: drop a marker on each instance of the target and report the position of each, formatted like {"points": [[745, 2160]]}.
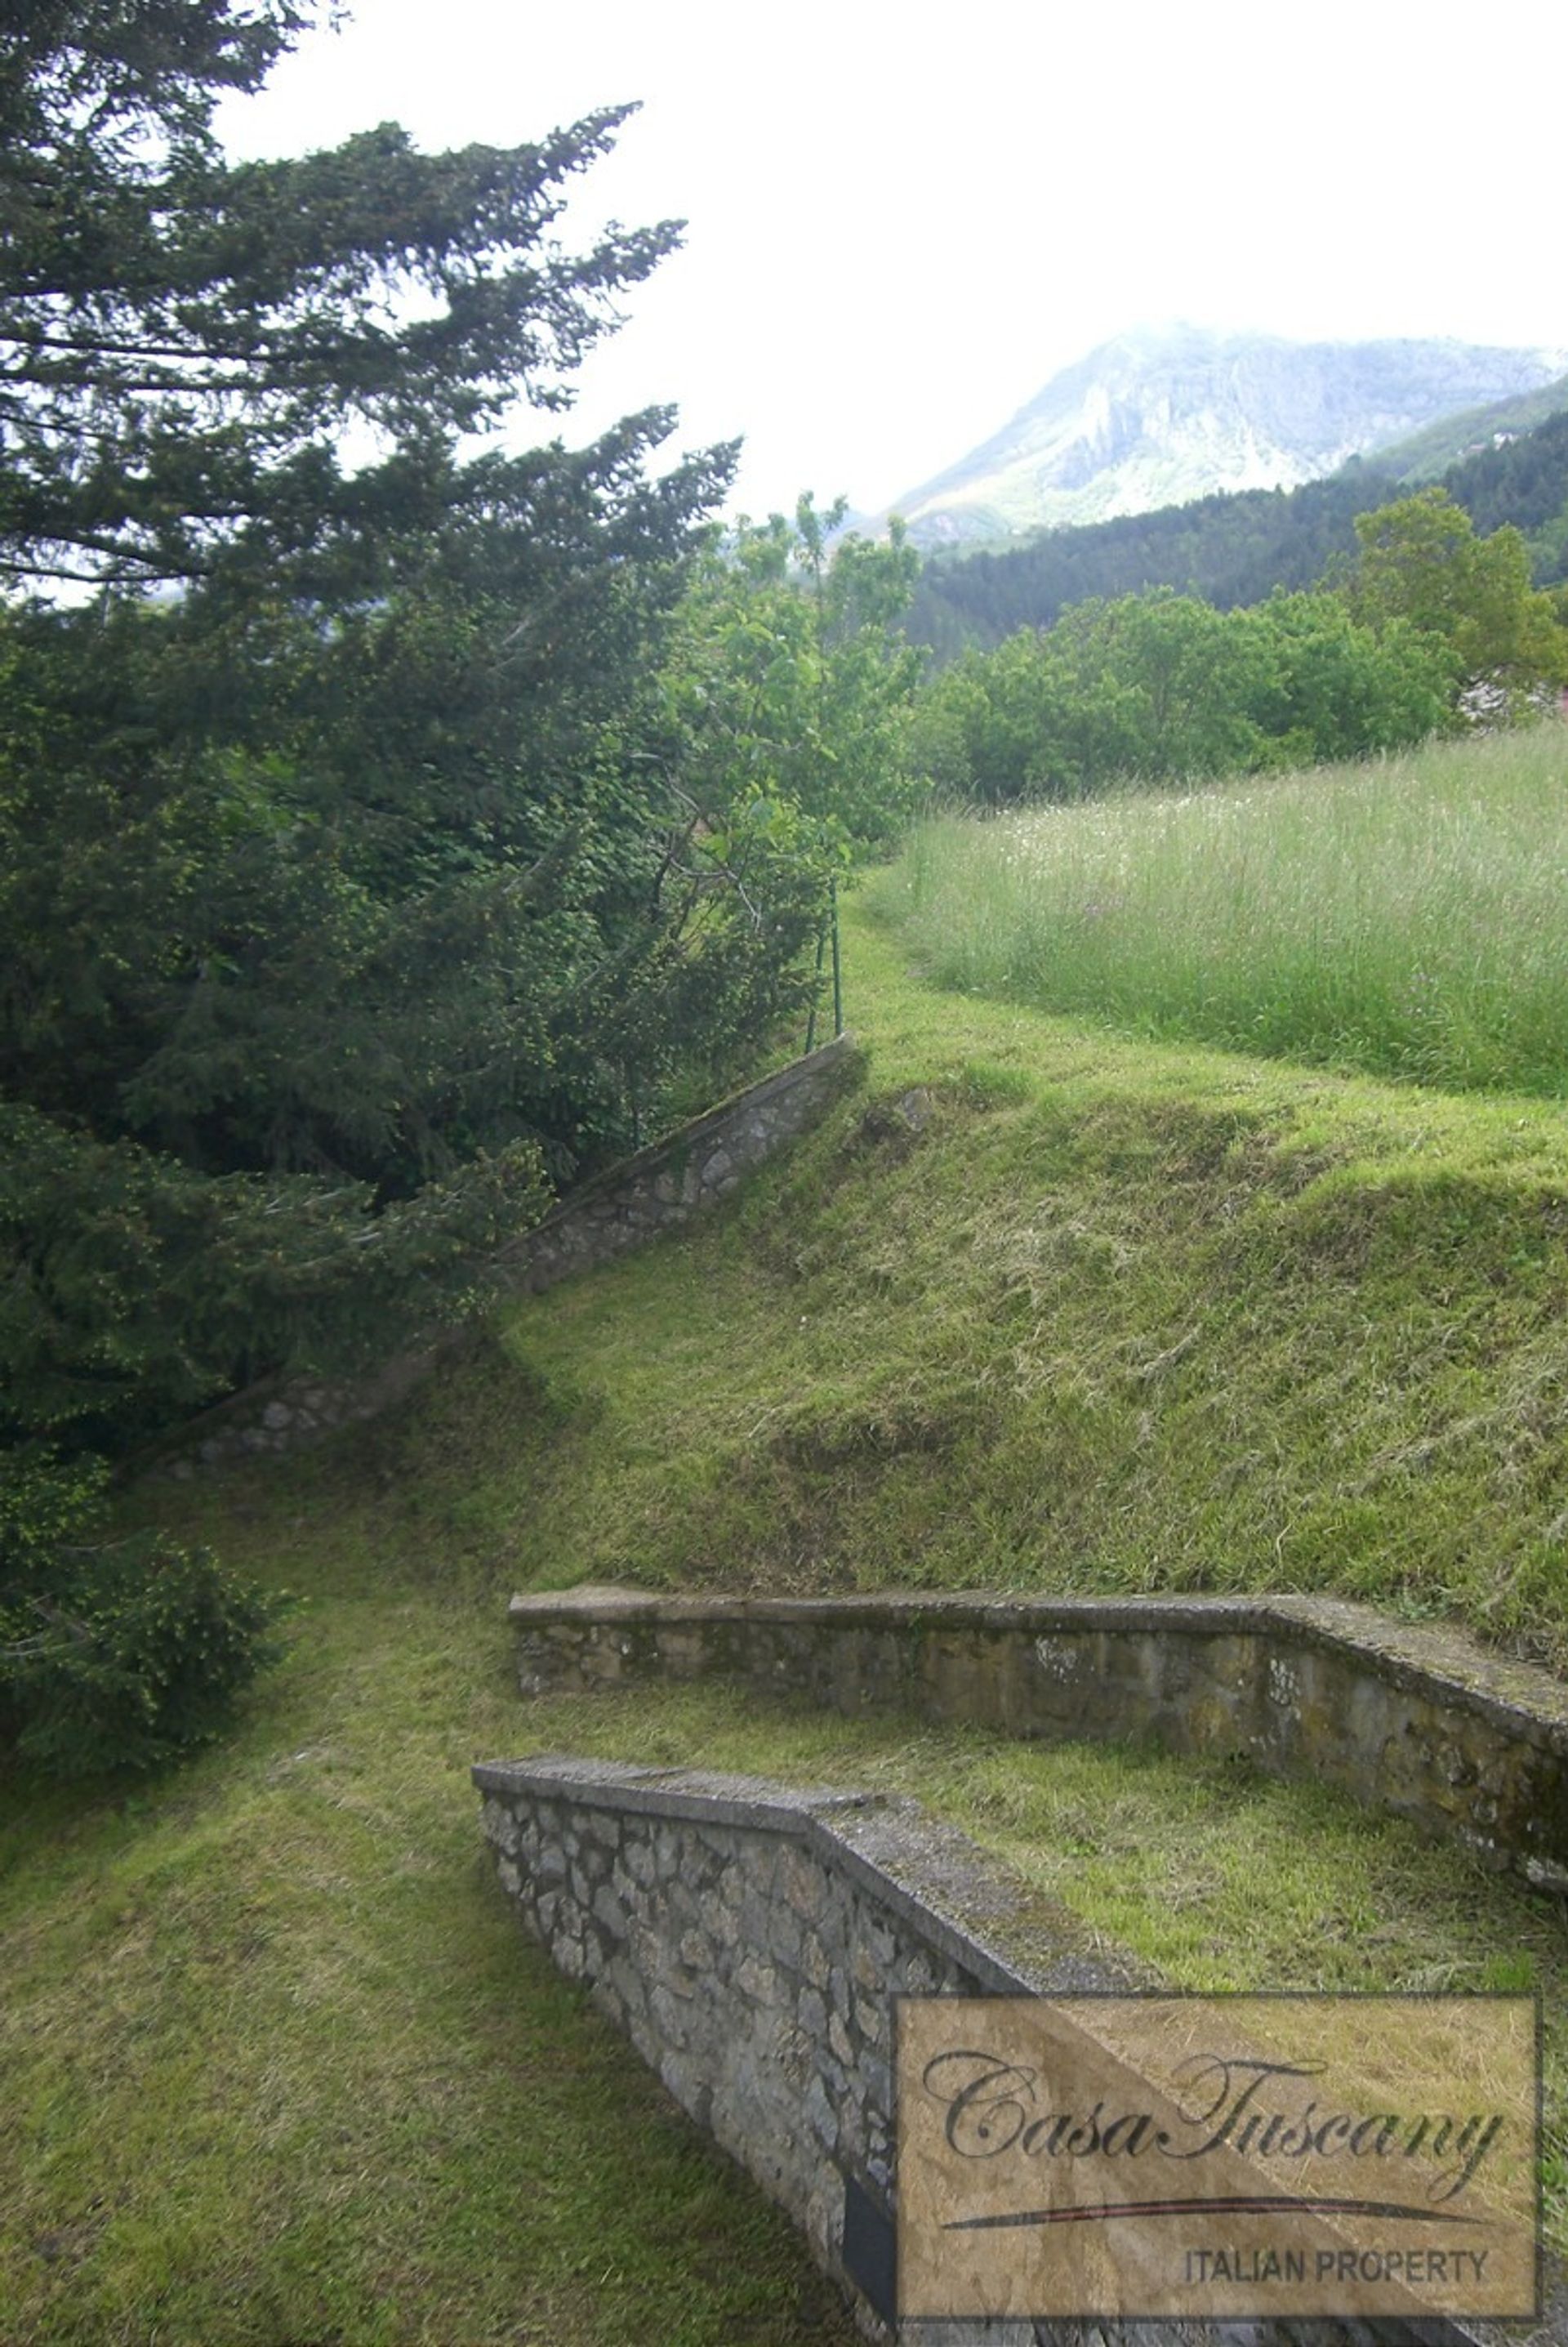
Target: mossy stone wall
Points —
{"points": [[1420, 1722]]}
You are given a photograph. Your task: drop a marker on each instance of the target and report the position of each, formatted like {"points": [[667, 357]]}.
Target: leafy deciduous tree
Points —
{"points": [[788, 680], [1163, 688], [1420, 562]]}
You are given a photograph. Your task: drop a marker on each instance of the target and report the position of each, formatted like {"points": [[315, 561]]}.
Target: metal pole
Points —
{"points": [[811, 1022], [837, 975]]}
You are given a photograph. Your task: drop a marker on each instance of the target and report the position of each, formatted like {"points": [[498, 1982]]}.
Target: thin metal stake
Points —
{"points": [[837, 975], [811, 1022]]}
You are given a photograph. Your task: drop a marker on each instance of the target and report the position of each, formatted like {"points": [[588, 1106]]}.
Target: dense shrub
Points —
{"points": [[113, 1655], [1163, 688]]}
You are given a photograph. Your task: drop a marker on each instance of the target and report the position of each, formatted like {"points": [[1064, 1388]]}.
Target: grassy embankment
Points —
{"points": [[1407, 919], [1039, 1307]]}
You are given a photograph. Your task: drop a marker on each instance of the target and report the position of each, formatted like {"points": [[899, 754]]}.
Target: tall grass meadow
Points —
{"points": [[1408, 917]]}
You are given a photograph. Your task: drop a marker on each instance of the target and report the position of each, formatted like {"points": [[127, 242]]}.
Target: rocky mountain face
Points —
{"points": [[1157, 418]]}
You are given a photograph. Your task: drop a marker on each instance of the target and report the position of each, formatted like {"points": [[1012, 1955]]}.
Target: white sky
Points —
{"points": [[901, 224]]}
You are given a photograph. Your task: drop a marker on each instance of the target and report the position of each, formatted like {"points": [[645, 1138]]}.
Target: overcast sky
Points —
{"points": [[900, 225]]}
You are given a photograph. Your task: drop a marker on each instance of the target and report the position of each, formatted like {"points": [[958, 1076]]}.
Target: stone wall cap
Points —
{"points": [[965, 1905], [599, 1601], [708, 1795], [1443, 1664], [972, 1908]]}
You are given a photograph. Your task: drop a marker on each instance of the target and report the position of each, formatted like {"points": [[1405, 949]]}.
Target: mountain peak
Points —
{"points": [[1163, 414]]}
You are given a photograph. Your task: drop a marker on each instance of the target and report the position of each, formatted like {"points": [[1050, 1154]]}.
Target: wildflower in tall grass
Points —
{"points": [[1409, 916]]}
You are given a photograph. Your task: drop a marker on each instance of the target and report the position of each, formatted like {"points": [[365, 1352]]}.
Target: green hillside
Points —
{"points": [[1041, 1306], [1049, 1309], [400, 822], [1427, 455], [1234, 550]]}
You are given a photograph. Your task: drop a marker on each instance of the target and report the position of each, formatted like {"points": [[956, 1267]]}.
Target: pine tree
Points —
{"points": [[184, 342], [342, 902]]}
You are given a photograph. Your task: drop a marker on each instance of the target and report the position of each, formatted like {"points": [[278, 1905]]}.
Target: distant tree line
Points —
{"points": [[1234, 549], [1429, 628]]}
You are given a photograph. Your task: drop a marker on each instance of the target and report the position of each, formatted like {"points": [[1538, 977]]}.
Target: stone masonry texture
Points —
{"points": [[750, 1938], [1420, 1722]]}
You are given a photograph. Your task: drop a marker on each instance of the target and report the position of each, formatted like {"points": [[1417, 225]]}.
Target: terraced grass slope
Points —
{"points": [[1038, 1307], [1045, 1308]]}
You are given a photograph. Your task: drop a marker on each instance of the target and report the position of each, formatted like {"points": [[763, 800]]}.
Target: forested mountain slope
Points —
{"points": [[1234, 550]]}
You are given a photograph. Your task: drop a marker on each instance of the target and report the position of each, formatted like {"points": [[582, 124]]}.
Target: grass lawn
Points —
{"points": [[278, 2067]]}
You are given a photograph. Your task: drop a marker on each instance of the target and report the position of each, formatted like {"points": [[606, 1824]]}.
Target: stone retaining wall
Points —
{"points": [[1420, 1722], [659, 1189], [750, 1938], [665, 1185]]}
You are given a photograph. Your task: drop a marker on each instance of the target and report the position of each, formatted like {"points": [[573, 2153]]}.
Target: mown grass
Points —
{"points": [[1406, 917], [278, 2068], [1043, 1308], [1037, 1308]]}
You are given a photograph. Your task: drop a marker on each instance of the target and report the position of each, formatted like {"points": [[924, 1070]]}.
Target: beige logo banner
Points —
{"points": [[1170, 2157]]}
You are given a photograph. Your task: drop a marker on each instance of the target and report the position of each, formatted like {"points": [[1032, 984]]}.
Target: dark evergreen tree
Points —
{"points": [[342, 894], [349, 894], [184, 342]]}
